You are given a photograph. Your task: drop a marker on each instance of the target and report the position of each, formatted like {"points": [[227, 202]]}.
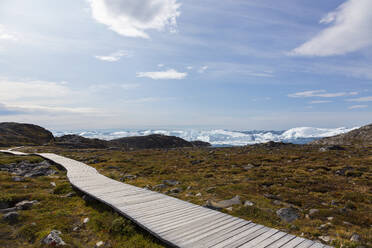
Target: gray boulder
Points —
{"points": [[25, 205], [223, 204], [288, 214], [53, 239]]}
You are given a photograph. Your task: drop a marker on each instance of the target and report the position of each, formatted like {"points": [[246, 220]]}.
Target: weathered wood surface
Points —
{"points": [[175, 222]]}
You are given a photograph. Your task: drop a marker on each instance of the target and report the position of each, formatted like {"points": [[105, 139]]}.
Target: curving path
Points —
{"points": [[175, 222]]}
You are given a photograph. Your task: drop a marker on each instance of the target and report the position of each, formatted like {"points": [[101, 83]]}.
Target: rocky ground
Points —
{"points": [[38, 208], [318, 192]]}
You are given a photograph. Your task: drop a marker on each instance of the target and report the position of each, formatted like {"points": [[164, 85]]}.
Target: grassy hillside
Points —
{"points": [[61, 208]]}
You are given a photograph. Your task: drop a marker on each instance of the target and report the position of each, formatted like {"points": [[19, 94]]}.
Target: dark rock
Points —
{"points": [[355, 237], [17, 134], [175, 191], [25, 205], [27, 169], [8, 210], [4, 204], [17, 179], [128, 177], [342, 171], [11, 217], [171, 182], [288, 214], [271, 196], [223, 204], [195, 162], [53, 239], [313, 211], [248, 167]]}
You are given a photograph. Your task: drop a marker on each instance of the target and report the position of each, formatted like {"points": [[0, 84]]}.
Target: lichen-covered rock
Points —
{"points": [[288, 214], [25, 205], [223, 204], [11, 217], [53, 239]]}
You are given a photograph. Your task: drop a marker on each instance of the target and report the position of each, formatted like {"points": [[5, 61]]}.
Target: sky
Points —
{"points": [[232, 64]]}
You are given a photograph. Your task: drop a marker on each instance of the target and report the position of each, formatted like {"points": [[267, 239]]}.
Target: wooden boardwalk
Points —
{"points": [[177, 223]]}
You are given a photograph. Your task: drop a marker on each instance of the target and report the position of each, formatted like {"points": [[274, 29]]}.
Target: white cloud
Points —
{"points": [[168, 74], [358, 106], [15, 90], [203, 69], [113, 57], [27, 108], [350, 30], [189, 68], [7, 35], [160, 65], [319, 102], [319, 93], [361, 99], [133, 18]]}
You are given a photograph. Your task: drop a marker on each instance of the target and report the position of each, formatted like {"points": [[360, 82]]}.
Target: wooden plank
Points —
{"points": [[317, 245], [305, 244], [254, 242], [249, 234], [270, 240], [220, 236], [281, 242], [202, 232], [294, 242]]}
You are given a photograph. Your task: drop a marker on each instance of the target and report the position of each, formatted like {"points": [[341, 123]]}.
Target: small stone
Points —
{"points": [[355, 237], [18, 179], [159, 187], [11, 217], [53, 184], [171, 182], [325, 238], [71, 194], [330, 218], [288, 214], [313, 211], [175, 191], [198, 194], [248, 204], [99, 243], [347, 223], [229, 209], [271, 196], [276, 202], [188, 188], [53, 239], [210, 189], [128, 177], [86, 220], [248, 167], [76, 228]]}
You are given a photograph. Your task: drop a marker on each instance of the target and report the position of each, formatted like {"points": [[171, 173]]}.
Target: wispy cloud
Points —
{"points": [[203, 69], [7, 35], [107, 86], [133, 18], [317, 93], [168, 74], [113, 57], [358, 106], [189, 67], [361, 99], [350, 30], [319, 102]]}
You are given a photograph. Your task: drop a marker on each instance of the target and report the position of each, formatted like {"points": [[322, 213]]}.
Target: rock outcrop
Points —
{"points": [[18, 134], [360, 136]]}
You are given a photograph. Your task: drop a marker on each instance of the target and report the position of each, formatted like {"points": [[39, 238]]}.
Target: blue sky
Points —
{"points": [[258, 64]]}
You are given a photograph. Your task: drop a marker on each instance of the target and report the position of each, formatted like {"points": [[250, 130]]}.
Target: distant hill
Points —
{"points": [[360, 136], [16, 134], [151, 141]]}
